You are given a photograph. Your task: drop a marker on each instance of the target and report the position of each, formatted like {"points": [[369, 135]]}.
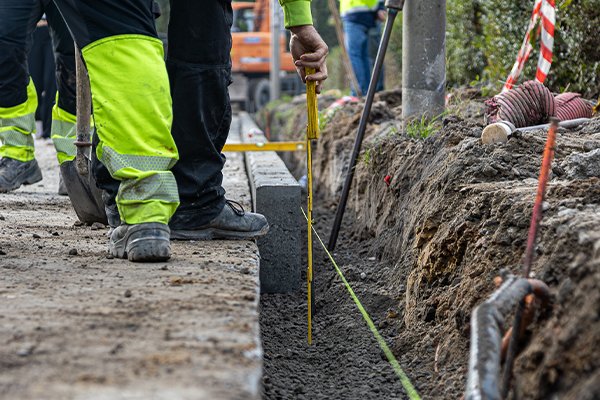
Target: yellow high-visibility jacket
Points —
{"points": [[351, 6]]}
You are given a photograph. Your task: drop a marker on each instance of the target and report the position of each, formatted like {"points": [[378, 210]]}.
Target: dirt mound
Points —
{"points": [[450, 216]]}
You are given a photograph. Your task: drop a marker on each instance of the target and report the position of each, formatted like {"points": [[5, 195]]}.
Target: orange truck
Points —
{"points": [[251, 53]]}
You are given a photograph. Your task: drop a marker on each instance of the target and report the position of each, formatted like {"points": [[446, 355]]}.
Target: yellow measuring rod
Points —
{"points": [[265, 146], [312, 132]]}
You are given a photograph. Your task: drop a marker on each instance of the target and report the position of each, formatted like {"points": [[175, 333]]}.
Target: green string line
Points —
{"points": [[406, 384]]}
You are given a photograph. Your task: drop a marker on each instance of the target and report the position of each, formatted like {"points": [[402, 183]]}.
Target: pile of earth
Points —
{"points": [[441, 216]]}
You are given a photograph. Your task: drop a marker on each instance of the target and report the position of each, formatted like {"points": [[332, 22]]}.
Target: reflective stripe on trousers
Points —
{"points": [[144, 179], [64, 133], [17, 126]]}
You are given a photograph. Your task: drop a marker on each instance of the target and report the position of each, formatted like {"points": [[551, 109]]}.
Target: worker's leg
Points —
{"points": [[41, 68], [357, 45], [18, 99], [199, 67], [199, 72], [64, 110], [132, 114], [37, 61]]}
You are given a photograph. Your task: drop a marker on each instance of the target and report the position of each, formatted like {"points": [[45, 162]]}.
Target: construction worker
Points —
{"points": [[362, 32], [133, 111]]}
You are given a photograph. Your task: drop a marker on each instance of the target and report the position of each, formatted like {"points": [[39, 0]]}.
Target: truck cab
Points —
{"points": [[250, 56]]}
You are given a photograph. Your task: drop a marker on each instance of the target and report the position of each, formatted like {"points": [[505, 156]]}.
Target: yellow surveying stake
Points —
{"points": [[312, 132]]}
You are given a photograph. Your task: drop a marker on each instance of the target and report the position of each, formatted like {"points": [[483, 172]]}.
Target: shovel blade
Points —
{"points": [[85, 196]]}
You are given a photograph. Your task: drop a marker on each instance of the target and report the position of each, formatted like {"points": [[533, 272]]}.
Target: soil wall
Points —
{"points": [[449, 214]]}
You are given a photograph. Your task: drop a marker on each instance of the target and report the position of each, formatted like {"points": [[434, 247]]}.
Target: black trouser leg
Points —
{"points": [[49, 80], [41, 68], [64, 57], [17, 22], [199, 67]]}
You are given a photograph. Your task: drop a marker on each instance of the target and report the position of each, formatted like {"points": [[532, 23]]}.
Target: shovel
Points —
{"points": [[85, 196]]}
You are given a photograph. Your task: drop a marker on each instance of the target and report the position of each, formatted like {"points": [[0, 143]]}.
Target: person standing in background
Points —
{"points": [[362, 32], [42, 70]]}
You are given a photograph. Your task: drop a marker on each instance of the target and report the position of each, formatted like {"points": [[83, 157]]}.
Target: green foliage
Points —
{"points": [[337, 74], [367, 157], [484, 36], [423, 128], [325, 116], [465, 61], [323, 21]]}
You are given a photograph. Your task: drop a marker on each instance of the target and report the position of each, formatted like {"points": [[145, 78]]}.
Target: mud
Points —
{"points": [[454, 215]]}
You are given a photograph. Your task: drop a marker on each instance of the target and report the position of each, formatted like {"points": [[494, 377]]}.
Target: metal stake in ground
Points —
{"points": [[536, 217], [393, 6], [312, 133]]}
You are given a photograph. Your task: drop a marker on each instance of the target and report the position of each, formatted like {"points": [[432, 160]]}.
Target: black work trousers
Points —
{"points": [[43, 70], [18, 19], [199, 68]]}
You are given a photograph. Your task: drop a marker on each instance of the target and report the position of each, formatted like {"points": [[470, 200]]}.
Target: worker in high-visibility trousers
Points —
{"points": [[18, 99], [133, 110], [199, 68]]}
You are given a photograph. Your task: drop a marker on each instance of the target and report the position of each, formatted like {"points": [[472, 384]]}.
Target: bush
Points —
{"points": [[484, 36]]}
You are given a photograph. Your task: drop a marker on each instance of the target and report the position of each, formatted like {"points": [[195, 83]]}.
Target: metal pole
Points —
{"points": [[275, 51], [423, 58], [394, 6]]}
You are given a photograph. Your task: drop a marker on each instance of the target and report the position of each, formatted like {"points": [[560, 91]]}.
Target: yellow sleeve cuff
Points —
{"points": [[296, 12]]}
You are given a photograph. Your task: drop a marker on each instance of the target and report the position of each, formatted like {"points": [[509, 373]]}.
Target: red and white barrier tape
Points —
{"points": [[546, 11]]}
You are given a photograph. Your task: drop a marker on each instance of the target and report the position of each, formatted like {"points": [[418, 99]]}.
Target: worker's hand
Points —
{"points": [[309, 50], [381, 15]]}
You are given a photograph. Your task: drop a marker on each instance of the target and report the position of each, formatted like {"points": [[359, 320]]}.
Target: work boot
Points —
{"points": [[14, 173], [232, 223], [147, 242]]}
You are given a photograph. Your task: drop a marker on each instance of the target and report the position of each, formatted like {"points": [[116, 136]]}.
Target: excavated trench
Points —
{"points": [[430, 223]]}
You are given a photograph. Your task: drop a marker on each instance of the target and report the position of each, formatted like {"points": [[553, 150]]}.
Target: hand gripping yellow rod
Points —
{"points": [[312, 133]]}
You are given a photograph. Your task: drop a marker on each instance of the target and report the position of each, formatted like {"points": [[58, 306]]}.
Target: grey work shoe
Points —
{"points": [[147, 242], [14, 173], [232, 223]]}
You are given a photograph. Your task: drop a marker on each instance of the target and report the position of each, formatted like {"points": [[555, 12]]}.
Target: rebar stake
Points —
{"points": [[536, 217]]}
